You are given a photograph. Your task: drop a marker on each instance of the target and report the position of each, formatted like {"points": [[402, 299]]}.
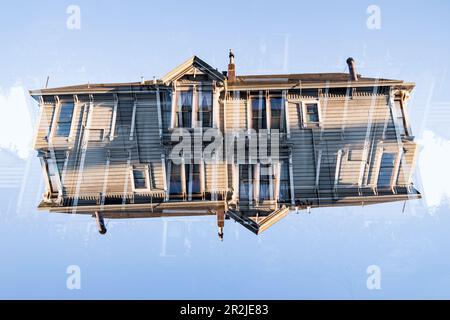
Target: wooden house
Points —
{"points": [[343, 140]]}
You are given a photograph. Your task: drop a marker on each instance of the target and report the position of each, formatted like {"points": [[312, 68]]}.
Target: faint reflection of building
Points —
{"points": [[344, 140]]}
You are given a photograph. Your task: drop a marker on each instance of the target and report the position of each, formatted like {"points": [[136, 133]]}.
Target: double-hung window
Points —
{"points": [[386, 169], [184, 113], [259, 115], [311, 113], [205, 108], [175, 180], [265, 180], [285, 192], [166, 107], [193, 178], [277, 120], [141, 179], [245, 180], [64, 120]]}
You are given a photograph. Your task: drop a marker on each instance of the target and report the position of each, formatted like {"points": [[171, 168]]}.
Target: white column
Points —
{"points": [[277, 174], [133, 118], [202, 178], [291, 179], [112, 130], [268, 111], [194, 116], [235, 178], [256, 176], [338, 168], [216, 108], [164, 172], [158, 105], [319, 161], [396, 170], [174, 109], [55, 119], [286, 115], [249, 112]]}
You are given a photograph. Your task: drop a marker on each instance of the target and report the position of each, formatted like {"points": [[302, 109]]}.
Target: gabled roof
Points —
{"points": [[259, 224], [194, 63]]}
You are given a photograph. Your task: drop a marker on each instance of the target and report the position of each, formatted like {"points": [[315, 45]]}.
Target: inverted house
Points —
{"points": [[280, 142]]}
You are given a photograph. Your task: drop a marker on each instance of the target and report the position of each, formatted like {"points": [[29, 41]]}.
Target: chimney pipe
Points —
{"points": [[100, 223], [220, 214], [231, 68], [352, 69]]}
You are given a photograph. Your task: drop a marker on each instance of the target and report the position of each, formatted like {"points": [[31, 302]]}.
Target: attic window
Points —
{"points": [[141, 179], [64, 120], [312, 112]]}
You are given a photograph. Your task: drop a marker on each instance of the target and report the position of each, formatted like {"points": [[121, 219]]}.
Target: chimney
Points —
{"points": [[352, 69], [231, 68], [220, 214]]}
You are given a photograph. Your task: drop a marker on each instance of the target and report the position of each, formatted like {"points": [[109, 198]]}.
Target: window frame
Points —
{"points": [[145, 169], [284, 181], [392, 171], [305, 122], [60, 106], [179, 113], [263, 112], [283, 111], [201, 112], [267, 180]]}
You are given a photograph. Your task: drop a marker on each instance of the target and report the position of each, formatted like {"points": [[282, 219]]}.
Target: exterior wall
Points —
{"points": [[113, 133]]}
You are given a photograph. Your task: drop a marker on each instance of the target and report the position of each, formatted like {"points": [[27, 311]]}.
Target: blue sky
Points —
{"points": [[321, 255]]}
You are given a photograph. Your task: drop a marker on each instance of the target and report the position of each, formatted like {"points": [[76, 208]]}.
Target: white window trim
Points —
{"points": [[305, 122], [338, 169], [286, 114], [146, 170], [57, 112], [112, 130], [133, 119], [396, 170]]}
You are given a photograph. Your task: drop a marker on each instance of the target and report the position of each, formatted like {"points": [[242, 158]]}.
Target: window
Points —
{"points": [[205, 109], [184, 113], [193, 178], [64, 120], [244, 182], [386, 170], [166, 107], [277, 114], [400, 117], [141, 179], [312, 112], [285, 192], [259, 113], [266, 176], [175, 180]]}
